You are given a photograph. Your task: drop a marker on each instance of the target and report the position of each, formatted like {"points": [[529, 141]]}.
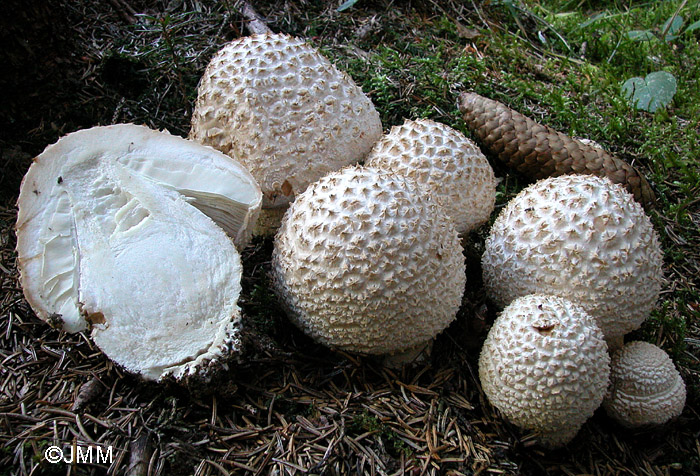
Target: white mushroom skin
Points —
{"points": [[283, 110], [545, 366], [580, 237], [645, 387], [110, 238], [366, 263], [442, 161]]}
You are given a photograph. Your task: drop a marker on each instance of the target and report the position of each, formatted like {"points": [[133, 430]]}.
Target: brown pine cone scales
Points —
{"points": [[538, 151]]}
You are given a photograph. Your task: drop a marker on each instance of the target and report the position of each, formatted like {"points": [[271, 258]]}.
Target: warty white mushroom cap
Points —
{"points": [[367, 263], [284, 111], [545, 366], [442, 161], [111, 235], [580, 237], [645, 386]]}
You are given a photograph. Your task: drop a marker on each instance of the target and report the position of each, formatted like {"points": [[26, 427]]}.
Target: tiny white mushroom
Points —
{"points": [[645, 387], [111, 236], [545, 366]]}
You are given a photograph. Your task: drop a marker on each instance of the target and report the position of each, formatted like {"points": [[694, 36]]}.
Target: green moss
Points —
{"points": [[365, 422]]}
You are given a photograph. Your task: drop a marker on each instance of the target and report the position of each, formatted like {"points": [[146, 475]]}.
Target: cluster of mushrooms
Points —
{"points": [[134, 235]]}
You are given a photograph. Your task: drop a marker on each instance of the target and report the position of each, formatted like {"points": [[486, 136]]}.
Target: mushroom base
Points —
{"points": [[269, 221], [557, 439], [413, 356]]}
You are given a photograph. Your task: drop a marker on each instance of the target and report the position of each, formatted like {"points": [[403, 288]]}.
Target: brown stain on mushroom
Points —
{"points": [[287, 188], [544, 330], [95, 318]]}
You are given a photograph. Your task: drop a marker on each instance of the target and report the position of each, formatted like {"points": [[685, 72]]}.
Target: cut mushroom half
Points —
{"points": [[123, 230]]}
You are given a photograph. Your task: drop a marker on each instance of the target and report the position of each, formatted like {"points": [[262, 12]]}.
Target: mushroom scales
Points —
{"points": [[367, 263], [645, 387], [284, 111], [111, 237], [545, 366], [444, 163], [580, 237]]}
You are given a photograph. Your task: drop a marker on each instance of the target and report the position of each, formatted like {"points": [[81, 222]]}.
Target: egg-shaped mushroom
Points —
{"points": [[444, 163], [645, 386], [583, 238], [365, 262], [545, 366], [285, 112]]}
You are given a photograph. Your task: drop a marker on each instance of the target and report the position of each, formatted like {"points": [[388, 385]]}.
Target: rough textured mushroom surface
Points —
{"points": [[281, 108], [580, 237], [365, 262], [444, 163], [645, 387], [111, 236], [538, 151], [545, 366]]}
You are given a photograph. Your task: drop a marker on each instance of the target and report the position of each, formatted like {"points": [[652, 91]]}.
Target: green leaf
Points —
{"points": [[650, 93], [640, 35], [347, 4], [693, 26], [672, 27], [593, 19]]}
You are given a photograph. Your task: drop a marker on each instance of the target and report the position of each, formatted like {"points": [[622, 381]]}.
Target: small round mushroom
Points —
{"points": [[445, 164], [285, 112], [367, 263], [545, 366], [645, 387], [583, 238], [112, 236]]}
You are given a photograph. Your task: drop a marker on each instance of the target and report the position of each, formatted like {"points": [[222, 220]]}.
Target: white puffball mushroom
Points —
{"points": [[645, 387], [285, 112], [113, 236], [545, 366], [366, 263], [580, 237], [446, 164]]}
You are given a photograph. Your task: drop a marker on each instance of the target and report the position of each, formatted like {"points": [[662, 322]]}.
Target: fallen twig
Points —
{"points": [[256, 23]]}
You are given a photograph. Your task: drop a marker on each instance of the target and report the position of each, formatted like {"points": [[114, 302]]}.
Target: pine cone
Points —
{"points": [[538, 151]]}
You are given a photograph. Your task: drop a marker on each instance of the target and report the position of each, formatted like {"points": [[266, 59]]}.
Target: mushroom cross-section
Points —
{"points": [[111, 236]]}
